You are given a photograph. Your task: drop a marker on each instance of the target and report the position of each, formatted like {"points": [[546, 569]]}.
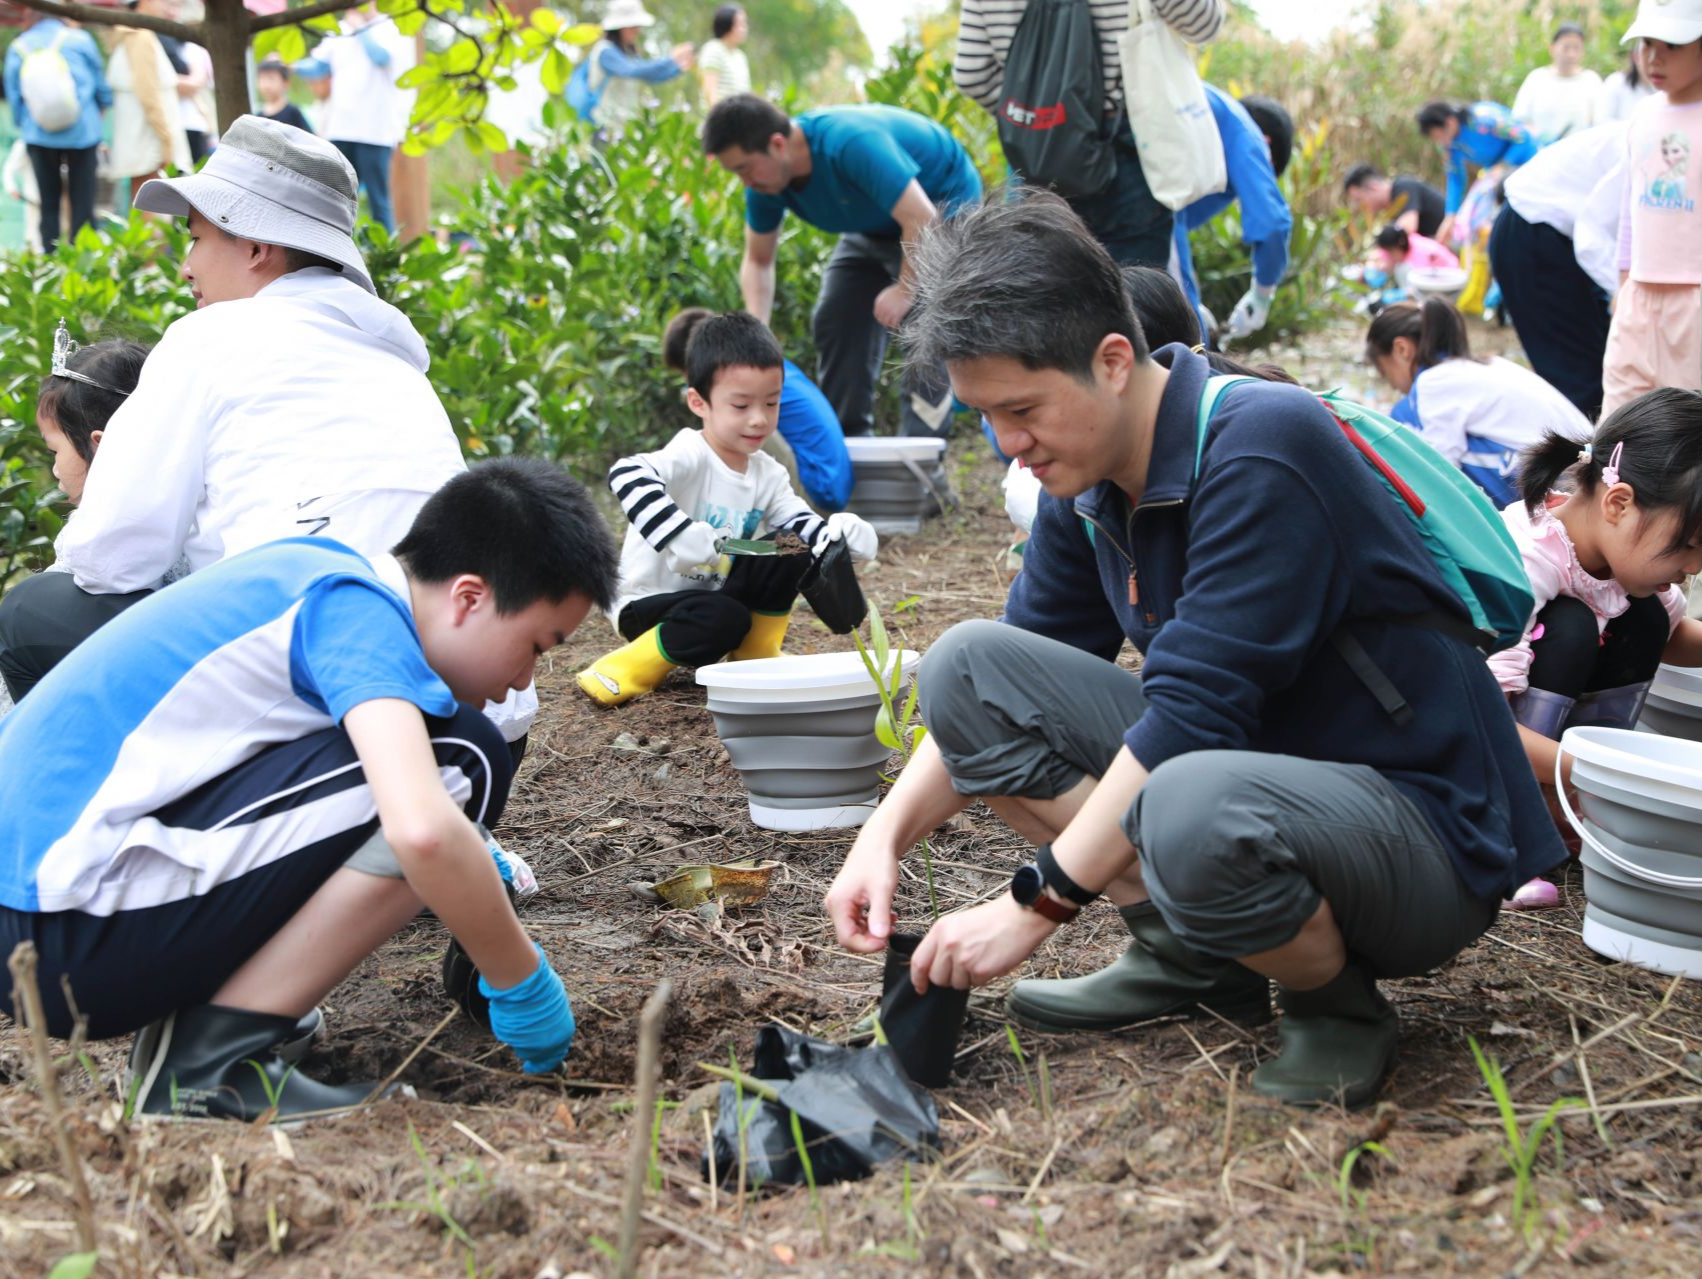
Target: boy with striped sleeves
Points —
{"points": [[680, 601]]}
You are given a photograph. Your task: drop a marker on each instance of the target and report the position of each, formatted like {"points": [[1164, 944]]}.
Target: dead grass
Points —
{"points": [[1156, 1160]]}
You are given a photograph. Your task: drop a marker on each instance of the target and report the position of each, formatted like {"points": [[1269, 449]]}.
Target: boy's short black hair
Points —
{"points": [[677, 336], [1277, 126], [731, 340], [1359, 175], [744, 121], [725, 16], [524, 525]]}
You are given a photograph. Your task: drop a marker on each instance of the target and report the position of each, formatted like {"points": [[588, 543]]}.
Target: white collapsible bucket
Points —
{"points": [[1673, 707], [1436, 282], [801, 731], [1640, 819], [897, 480]]}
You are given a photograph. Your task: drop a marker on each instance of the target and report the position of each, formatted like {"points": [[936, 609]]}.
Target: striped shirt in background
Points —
{"points": [[986, 27]]}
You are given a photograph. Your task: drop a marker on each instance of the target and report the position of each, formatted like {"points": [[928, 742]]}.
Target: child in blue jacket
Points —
{"points": [[1258, 138]]}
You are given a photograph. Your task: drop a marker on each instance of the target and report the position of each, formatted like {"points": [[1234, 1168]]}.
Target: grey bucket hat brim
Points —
{"points": [[256, 199]]}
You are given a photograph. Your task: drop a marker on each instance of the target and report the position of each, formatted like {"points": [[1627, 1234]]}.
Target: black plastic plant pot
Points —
{"points": [[830, 585], [461, 984], [922, 1029]]}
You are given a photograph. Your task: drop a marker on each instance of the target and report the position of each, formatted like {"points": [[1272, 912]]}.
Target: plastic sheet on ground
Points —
{"points": [[855, 1106]]}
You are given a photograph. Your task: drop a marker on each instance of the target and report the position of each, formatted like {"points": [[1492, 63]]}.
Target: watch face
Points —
{"points": [[1026, 885]]}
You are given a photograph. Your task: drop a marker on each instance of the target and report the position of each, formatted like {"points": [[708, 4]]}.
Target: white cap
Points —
{"points": [[627, 13], [275, 184], [1671, 21]]}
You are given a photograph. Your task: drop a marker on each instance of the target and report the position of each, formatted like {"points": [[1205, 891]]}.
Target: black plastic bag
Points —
{"points": [[830, 585], [922, 1029], [855, 1108]]}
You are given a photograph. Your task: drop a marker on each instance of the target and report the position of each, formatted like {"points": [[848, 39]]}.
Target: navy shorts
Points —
{"points": [[132, 968]]}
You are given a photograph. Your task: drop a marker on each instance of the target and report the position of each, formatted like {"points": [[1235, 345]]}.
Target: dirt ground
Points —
{"points": [[1141, 1153]]}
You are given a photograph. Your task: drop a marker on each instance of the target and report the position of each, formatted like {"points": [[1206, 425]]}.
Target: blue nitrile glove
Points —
{"points": [[533, 1018]]}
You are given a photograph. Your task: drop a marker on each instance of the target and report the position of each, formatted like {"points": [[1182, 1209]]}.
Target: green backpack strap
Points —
{"points": [[1216, 385]]}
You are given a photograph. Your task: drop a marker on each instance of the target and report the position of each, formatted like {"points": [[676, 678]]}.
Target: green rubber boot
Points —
{"points": [[1338, 1042], [1156, 977]]}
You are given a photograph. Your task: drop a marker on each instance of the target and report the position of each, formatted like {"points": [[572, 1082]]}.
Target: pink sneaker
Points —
{"points": [[1539, 894]]}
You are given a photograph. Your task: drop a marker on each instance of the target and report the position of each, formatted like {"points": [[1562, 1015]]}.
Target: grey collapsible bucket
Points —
{"points": [[897, 480], [1673, 707], [801, 731], [1640, 819]]}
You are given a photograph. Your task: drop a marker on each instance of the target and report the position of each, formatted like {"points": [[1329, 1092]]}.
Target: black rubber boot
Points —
{"points": [[211, 1062], [1156, 977], [1338, 1043], [296, 1045]]}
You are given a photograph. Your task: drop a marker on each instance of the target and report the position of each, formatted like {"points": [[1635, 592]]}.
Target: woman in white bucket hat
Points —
{"points": [[616, 72], [292, 402]]}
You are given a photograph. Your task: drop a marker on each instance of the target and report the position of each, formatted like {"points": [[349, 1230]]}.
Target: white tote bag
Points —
{"points": [[1181, 153]]}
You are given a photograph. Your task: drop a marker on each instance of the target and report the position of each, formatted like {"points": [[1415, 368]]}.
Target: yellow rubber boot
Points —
{"points": [[767, 633], [627, 672]]}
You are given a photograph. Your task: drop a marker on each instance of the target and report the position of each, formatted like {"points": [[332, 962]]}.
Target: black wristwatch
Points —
{"points": [[1029, 889], [1053, 876]]}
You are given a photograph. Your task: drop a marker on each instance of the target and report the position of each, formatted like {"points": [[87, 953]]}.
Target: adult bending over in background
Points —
{"points": [[1537, 249], [876, 176], [1479, 136], [1258, 139]]}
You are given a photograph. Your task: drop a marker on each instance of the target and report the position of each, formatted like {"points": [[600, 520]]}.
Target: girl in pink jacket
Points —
{"points": [[1607, 554]]}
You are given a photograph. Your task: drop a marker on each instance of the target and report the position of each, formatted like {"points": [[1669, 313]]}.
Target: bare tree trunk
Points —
{"points": [[410, 180], [225, 35]]}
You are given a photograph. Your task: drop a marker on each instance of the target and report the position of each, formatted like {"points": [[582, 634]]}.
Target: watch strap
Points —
{"points": [[1053, 876], [1056, 911]]}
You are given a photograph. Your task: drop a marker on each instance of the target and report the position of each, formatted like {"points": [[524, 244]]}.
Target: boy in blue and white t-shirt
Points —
{"points": [[183, 798], [680, 601]]}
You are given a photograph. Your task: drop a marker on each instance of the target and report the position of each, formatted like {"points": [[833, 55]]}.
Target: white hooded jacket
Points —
{"points": [[302, 410]]}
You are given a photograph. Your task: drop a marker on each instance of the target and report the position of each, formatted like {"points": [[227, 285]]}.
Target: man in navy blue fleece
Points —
{"points": [[1258, 138], [1245, 800], [876, 176]]}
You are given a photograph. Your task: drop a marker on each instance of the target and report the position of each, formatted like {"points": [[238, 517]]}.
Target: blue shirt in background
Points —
{"points": [[861, 159], [811, 429], [88, 73], [1488, 135], [1265, 219], [616, 61]]}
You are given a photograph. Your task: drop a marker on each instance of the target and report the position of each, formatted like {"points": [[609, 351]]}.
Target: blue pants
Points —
{"points": [[372, 167], [1126, 217]]}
